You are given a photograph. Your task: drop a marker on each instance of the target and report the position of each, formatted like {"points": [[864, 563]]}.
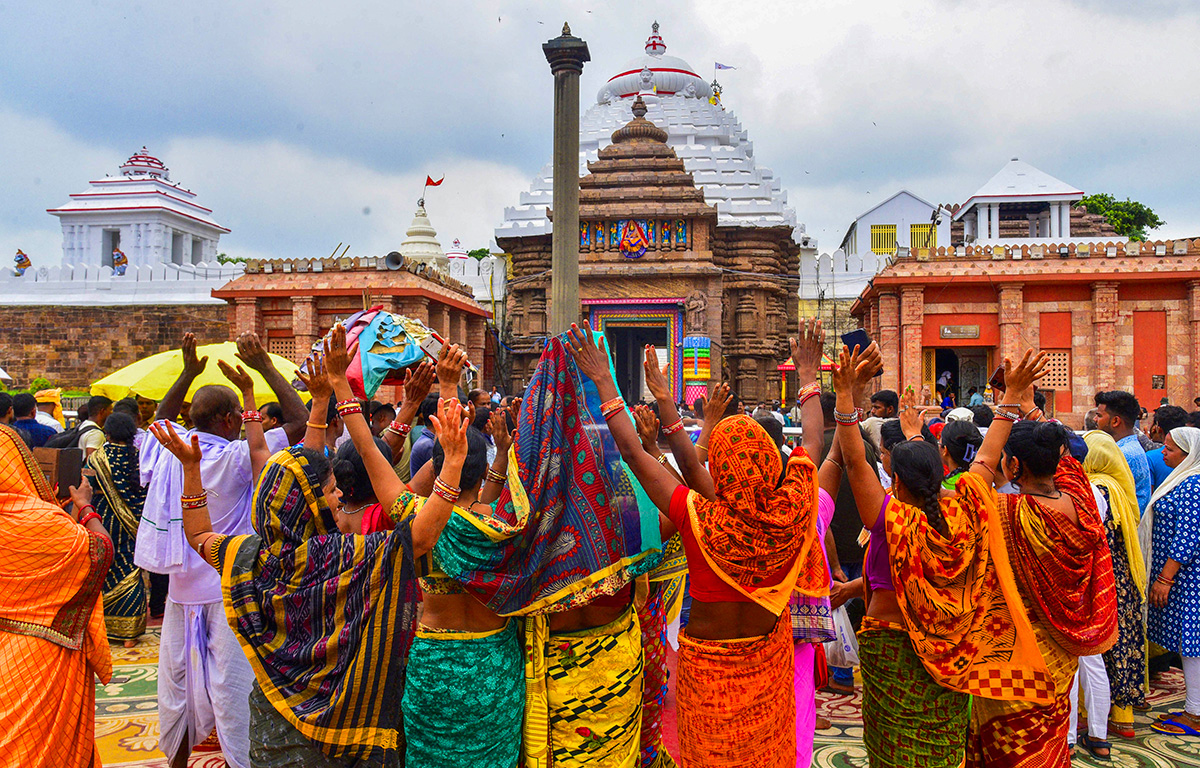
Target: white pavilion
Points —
{"points": [[714, 147], [169, 241]]}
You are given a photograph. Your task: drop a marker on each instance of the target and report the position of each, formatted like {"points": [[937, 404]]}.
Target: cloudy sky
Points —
{"points": [[306, 123]]}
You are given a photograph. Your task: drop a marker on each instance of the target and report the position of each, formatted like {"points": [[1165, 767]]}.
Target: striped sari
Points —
{"points": [[322, 616], [119, 500]]}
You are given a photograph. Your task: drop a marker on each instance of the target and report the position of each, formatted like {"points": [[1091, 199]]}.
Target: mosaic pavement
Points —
{"points": [[127, 723]]}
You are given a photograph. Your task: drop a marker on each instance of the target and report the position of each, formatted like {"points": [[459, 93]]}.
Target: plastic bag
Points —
{"points": [[842, 652]]}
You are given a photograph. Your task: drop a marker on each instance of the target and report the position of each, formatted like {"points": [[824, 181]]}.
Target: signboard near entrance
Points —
{"points": [[1158, 382], [959, 332]]}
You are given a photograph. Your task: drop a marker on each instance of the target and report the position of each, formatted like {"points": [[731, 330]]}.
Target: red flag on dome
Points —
{"points": [[429, 182]]}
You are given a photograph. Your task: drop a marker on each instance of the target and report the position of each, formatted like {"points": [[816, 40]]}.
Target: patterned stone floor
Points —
{"points": [[127, 723]]}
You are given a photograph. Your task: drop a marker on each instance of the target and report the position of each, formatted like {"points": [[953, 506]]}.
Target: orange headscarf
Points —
{"points": [[51, 568], [760, 535]]}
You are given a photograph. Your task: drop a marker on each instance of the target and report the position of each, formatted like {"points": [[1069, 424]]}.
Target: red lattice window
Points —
{"points": [[1058, 370]]}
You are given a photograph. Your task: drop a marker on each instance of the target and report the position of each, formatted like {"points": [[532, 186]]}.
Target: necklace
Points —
{"points": [[356, 511], [1044, 495]]}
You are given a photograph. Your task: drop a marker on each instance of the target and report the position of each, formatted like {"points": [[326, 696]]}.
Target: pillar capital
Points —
{"points": [[566, 53]]}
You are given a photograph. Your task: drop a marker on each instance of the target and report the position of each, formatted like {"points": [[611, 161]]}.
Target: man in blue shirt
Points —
{"points": [[1117, 413], [976, 397], [24, 408], [1166, 418]]}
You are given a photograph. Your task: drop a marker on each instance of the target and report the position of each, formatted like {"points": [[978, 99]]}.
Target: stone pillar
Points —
{"points": [[458, 327], [1104, 328], [246, 317], [981, 221], [1065, 224], [415, 307], [476, 339], [888, 336], [566, 55], [1054, 219], [305, 327], [994, 215], [912, 317], [1012, 315], [1193, 379], [439, 320]]}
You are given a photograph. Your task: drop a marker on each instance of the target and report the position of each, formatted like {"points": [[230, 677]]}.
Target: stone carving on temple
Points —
{"points": [[697, 321]]}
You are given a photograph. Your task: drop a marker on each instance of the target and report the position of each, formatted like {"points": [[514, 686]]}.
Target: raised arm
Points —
{"points": [[1016, 402], [450, 428], [449, 370], [197, 526], [168, 407], [497, 474], [251, 352], [592, 360], [807, 349], [690, 465], [852, 374], [417, 382], [319, 387], [647, 427], [251, 418], [829, 476]]}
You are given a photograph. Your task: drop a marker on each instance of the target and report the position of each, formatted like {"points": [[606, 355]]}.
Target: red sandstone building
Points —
{"points": [[1111, 315], [292, 303]]}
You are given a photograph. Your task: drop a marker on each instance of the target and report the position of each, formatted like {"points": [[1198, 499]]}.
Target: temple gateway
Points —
{"points": [[684, 242]]}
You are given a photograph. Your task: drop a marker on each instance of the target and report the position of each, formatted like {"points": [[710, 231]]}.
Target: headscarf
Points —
{"points": [[51, 568], [52, 396], [1106, 466], [1188, 440], [760, 534], [322, 616]]}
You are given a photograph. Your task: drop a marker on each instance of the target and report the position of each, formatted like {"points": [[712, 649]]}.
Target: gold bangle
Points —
{"points": [[314, 425], [662, 459], [701, 447]]}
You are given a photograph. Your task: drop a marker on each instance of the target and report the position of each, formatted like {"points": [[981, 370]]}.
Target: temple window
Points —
{"points": [[922, 236], [883, 239], [112, 241]]}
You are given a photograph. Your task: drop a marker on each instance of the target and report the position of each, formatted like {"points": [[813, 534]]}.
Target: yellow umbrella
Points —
{"points": [[154, 375]]}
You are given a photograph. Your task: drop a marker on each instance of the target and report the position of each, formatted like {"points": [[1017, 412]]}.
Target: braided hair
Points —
{"points": [[918, 465]]}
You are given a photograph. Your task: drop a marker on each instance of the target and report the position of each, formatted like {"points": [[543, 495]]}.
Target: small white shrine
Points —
{"points": [[135, 238], [421, 243]]}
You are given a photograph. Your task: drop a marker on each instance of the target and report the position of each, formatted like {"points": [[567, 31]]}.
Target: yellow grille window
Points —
{"points": [[922, 236], [883, 239]]}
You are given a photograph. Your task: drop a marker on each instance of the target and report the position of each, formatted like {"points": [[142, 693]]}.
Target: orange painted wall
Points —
{"points": [[989, 330], [1149, 356], [1054, 333]]}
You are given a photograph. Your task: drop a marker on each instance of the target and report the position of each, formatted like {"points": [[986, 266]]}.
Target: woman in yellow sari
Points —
{"points": [[1125, 663], [52, 638]]}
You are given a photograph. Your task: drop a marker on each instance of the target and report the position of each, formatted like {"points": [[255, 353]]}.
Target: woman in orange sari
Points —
{"points": [[1058, 548], [749, 531], [52, 637]]}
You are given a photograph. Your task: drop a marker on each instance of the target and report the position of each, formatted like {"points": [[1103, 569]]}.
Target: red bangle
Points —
{"points": [[400, 429], [85, 519], [673, 428], [249, 415]]}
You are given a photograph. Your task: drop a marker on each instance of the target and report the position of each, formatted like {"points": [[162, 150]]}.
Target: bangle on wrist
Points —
{"points": [[399, 429], [446, 491], [662, 459], [610, 408], [495, 477], [315, 425], [85, 519], [250, 414], [673, 428], [1163, 580], [849, 419]]}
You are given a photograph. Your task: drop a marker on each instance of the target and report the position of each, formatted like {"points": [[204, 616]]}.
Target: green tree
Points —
{"points": [[1129, 217], [224, 259], [479, 253]]}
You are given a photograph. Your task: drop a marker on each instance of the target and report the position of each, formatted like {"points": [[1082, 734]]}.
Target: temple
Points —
{"points": [[685, 241]]}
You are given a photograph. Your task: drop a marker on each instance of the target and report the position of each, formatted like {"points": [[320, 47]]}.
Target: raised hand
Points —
{"points": [[717, 403], [843, 372], [1020, 377], [498, 426], [450, 362], [337, 356], [911, 419], [81, 495], [250, 351], [188, 455], [237, 376], [647, 426], [656, 378], [807, 349], [417, 382], [591, 357], [450, 429], [316, 381], [192, 366]]}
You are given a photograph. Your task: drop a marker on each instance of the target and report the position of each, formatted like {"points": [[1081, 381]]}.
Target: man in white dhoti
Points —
{"points": [[204, 679]]}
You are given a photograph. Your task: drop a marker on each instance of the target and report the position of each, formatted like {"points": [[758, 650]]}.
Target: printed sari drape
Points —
{"points": [[119, 499]]}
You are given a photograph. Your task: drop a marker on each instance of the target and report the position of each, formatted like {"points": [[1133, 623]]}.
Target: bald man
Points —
{"points": [[204, 679]]}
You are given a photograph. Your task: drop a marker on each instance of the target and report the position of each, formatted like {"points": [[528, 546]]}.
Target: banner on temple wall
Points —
{"points": [[696, 358]]}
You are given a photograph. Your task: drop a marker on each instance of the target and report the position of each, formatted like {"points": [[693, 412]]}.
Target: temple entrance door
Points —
{"points": [[963, 368], [626, 343], [945, 374]]}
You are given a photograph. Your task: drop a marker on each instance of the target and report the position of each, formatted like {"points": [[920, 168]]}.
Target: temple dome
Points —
{"points": [[456, 250], [668, 75], [421, 243], [142, 163]]}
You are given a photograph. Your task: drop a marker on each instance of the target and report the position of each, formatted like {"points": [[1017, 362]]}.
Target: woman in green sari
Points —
{"points": [[119, 499]]}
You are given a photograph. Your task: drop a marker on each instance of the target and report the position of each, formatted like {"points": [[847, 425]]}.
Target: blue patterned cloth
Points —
{"points": [[1177, 536], [1136, 456]]}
